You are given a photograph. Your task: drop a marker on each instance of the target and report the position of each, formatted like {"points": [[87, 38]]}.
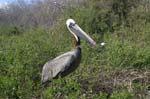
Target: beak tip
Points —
{"points": [[94, 43]]}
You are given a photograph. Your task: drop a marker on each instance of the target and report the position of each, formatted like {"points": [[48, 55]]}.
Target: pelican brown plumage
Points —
{"points": [[67, 62]]}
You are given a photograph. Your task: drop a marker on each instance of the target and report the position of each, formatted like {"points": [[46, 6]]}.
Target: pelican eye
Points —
{"points": [[72, 24]]}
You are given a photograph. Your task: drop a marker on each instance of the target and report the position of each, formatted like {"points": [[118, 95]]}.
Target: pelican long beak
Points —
{"points": [[80, 33]]}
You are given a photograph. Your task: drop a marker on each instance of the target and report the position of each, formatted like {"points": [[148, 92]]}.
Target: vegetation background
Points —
{"points": [[34, 33]]}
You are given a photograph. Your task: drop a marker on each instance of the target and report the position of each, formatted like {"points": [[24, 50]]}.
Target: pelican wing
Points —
{"points": [[52, 68]]}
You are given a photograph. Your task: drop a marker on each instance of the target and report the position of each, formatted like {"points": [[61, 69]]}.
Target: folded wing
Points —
{"points": [[52, 68]]}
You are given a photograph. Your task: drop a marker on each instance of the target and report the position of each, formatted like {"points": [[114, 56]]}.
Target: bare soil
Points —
{"points": [[134, 80]]}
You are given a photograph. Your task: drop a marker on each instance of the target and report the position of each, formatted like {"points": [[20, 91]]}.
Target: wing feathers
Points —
{"points": [[52, 68]]}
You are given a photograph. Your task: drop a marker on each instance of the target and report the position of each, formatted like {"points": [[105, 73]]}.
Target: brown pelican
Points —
{"points": [[67, 62]]}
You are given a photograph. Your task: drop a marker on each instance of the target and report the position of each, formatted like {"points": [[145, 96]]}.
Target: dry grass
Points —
{"points": [[109, 82]]}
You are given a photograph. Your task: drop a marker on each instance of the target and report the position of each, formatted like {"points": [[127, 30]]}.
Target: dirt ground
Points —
{"points": [[134, 80]]}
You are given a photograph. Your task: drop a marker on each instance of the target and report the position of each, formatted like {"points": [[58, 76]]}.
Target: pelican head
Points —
{"points": [[78, 32]]}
